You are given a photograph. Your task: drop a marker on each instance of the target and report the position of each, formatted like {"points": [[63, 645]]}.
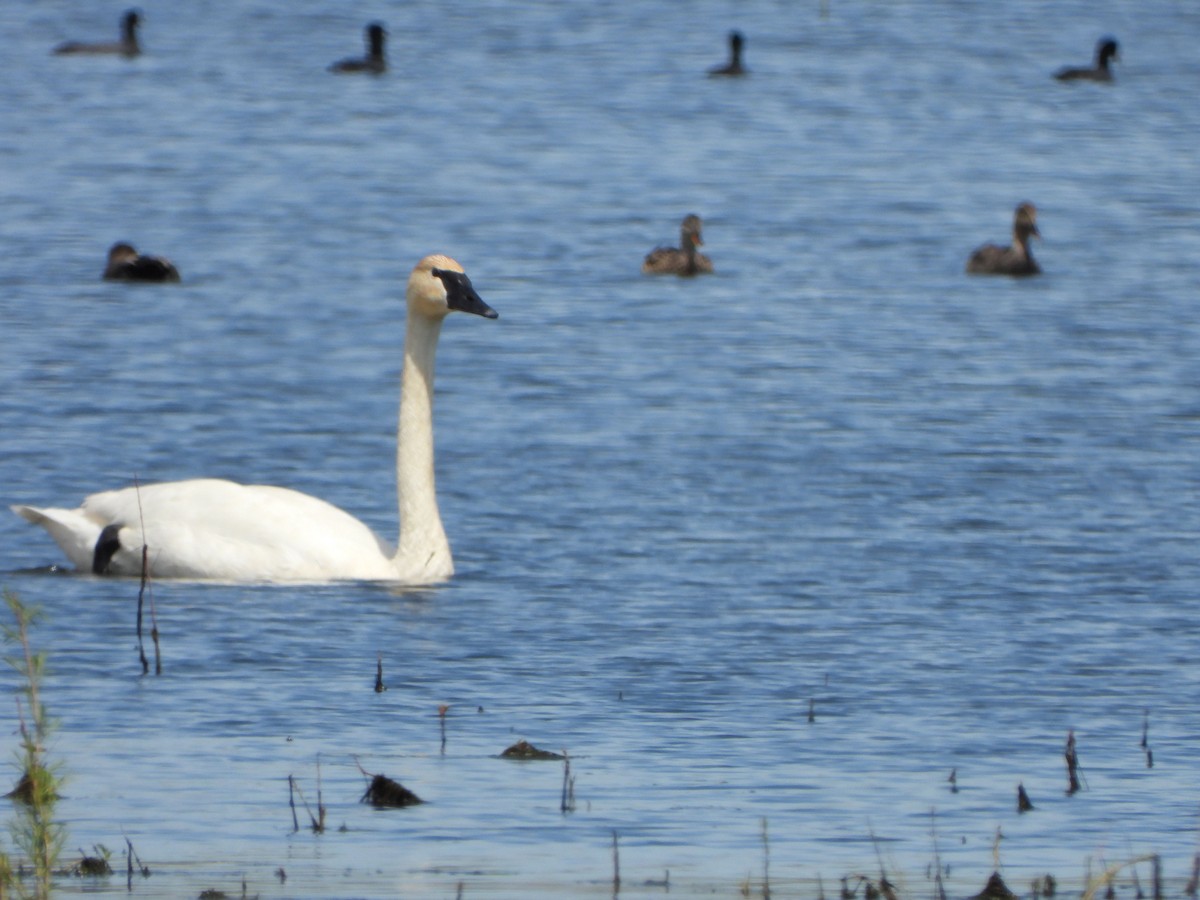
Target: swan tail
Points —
{"points": [[75, 533]]}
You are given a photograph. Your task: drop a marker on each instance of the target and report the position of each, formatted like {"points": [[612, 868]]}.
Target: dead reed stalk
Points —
{"points": [[1146, 739], [1105, 878], [143, 592], [317, 822], [567, 803], [131, 859], [938, 885], [1072, 757], [766, 885], [616, 865]]}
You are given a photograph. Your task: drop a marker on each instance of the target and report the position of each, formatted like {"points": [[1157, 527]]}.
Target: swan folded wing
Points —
{"points": [[214, 529]]}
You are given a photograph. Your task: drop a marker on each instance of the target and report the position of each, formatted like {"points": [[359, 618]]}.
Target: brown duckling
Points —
{"points": [[127, 46], [682, 260], [374, 62], [992, 259], [126, 264]]}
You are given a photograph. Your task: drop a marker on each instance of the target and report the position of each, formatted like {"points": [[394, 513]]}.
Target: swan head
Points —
{"points": [[438, 285]]}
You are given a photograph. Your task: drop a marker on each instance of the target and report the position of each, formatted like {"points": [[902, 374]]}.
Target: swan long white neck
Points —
{"points": [[422, 548]]}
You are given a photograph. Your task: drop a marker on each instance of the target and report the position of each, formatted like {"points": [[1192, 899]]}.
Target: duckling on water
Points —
{"points": [[683, 260], [1017, 259]]}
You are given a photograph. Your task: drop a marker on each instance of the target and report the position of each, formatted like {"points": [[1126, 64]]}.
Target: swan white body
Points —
{"points": [[214, 529]]}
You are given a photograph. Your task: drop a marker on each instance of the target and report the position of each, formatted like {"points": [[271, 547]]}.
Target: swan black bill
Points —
{"points": [[461, 295]]}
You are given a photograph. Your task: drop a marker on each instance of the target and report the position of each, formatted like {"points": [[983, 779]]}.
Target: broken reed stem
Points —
{"points": [[1105, 878], [292, 803], [939, 885], [154, 636], [141, 600], [885, 886], [319, 825], [1146, 739], [1137, 882], [567, 804], [143, 591], [1072, 757], [766, 886], [131, 860], [616, 866]]}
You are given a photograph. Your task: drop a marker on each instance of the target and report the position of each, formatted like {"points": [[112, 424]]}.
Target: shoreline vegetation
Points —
{"points": [[33, 866]]}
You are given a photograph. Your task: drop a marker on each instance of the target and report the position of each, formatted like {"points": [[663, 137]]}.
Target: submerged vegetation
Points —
{"points": [[38, 838]]}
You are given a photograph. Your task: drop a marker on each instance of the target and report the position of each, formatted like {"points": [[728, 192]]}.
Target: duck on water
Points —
{"points": [[683, 260], [1016, 259], [126, 264], [1106, 50], [734, 67], [374, 63], [127, 46]]}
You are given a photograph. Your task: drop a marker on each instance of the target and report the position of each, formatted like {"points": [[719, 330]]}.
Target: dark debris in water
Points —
{"points": [[92, 866], [524, 750], [23, 791], [995, 889], [383, 793]]}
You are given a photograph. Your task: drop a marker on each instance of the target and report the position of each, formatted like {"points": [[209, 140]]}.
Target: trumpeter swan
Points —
{"points": [[214, 529]]}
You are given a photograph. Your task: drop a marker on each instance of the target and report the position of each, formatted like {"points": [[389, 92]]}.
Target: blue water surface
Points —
{"points": [[769, 553]]}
